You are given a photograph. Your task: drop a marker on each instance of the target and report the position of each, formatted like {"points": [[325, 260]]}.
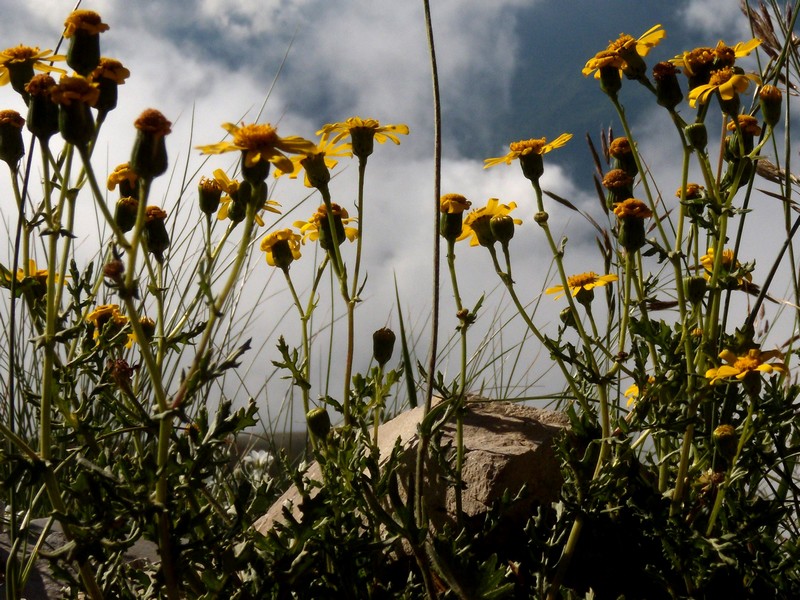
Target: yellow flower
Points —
{"points": [[476, 224], [281, 248], [728, 264], [632, 208], [261, 143], [633, 393], [231, 189], [739, 367], [123, 176], [104, 315], [584, 281], [453, 204], [747, 123], [75, 88], [27, 57], [110, 68], [624, 51], [524, 147], [693, 191], [324, 151], [311, 228], [700, 62], [362, 133], [726, 81], [84, 20]]}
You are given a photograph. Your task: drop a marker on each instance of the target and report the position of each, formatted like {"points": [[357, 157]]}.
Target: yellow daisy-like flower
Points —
{"points": [[583, 281], [624, 50], [633, 393], [693, 191], [110, 68], [453, 204], [104, 314], [281, 248], [747, 123], [740, 367], [261, 143], [632, 208], [75, 89], [363, 133], [700, 62], [122, 175], [524, 147], [379, 132], [726, 81], [728, 263], [311, 228], [476, 224], [26, 56], [312, 161], [231, 189]]}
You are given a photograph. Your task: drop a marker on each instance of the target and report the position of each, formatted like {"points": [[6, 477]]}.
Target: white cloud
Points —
{"points": [[722, 18]]}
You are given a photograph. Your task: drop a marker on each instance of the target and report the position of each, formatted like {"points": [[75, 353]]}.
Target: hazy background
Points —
{"points": [[509, 69]]}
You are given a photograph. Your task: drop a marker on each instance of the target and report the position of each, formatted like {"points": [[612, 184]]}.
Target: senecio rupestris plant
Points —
{"points": [[680, 464]]}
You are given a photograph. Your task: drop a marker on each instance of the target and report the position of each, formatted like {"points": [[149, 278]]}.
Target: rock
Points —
{"points": [[508, 447]]}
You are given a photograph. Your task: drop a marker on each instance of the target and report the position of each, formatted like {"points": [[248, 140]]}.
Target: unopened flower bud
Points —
{"points": [[319, 422], [502, 227], [567, 317], [726, 441], [770, 98], [541, 217], [149, 156], [697, 136], [42, 111], [125, 213], [383, 345], [695, 288], [11, 147], [155, 232]]}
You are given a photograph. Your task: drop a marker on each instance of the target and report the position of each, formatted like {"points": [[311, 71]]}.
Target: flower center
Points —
{"points": [[256, 136], [720, 76], [746, 363], [581, 280], [21, 53], [527, 146]]}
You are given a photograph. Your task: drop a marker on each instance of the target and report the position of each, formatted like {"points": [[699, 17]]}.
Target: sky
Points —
{"points": [[509, 70]]}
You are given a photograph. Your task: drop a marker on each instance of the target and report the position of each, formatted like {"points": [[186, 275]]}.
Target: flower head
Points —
{"points": [[84, 20], [124, 177], [107, 315], [317, 227], [231, 189], [317, 162], [453, 204], [692, 191], [748, 124], [281, 248], [726, 81], [477, 223], [362, 133], [742, 367], [75, 89], [18, 63], [632, 208], [581, 282], [525, 147], [699, 63], [12, 147], [260, 142], [626, 53], [729, 264]]}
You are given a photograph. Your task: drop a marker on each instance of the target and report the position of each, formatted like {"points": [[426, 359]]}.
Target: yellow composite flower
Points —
{"points": [[747, 123], [739, 367], [325, 149], [311, 229], [261, 143], [453, 204], [104, 314], [84, 20], [21, 55], [726, 81], [380, 133], [231, 188], [583, 281], [122, 174], [728, 263], [525, 147], [704, 59], [625, 45], [481, 216], [632, 208], [34, 274], [633, 393], [285, 238]]}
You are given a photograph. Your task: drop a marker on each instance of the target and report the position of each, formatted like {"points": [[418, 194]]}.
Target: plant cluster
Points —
{"points": [[679, 466]]}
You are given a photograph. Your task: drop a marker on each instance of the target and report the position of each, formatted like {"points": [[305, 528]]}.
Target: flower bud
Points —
{"points": [[209, 193], [483, 230], [42, 111], [668, 90], [383, 345], [541, 217], [452, 207], [619, 185], [697, 136], [319, 422], [770, 98], [726, 441], [567, 317], [125, 213], [502, 227], [83, 28], [109, 75], [620, 150], [149, 156], [695, 288], [11, 147], [155, 232]]}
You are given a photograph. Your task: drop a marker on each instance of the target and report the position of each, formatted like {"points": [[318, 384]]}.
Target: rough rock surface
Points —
{"points": [[508, 446]]}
